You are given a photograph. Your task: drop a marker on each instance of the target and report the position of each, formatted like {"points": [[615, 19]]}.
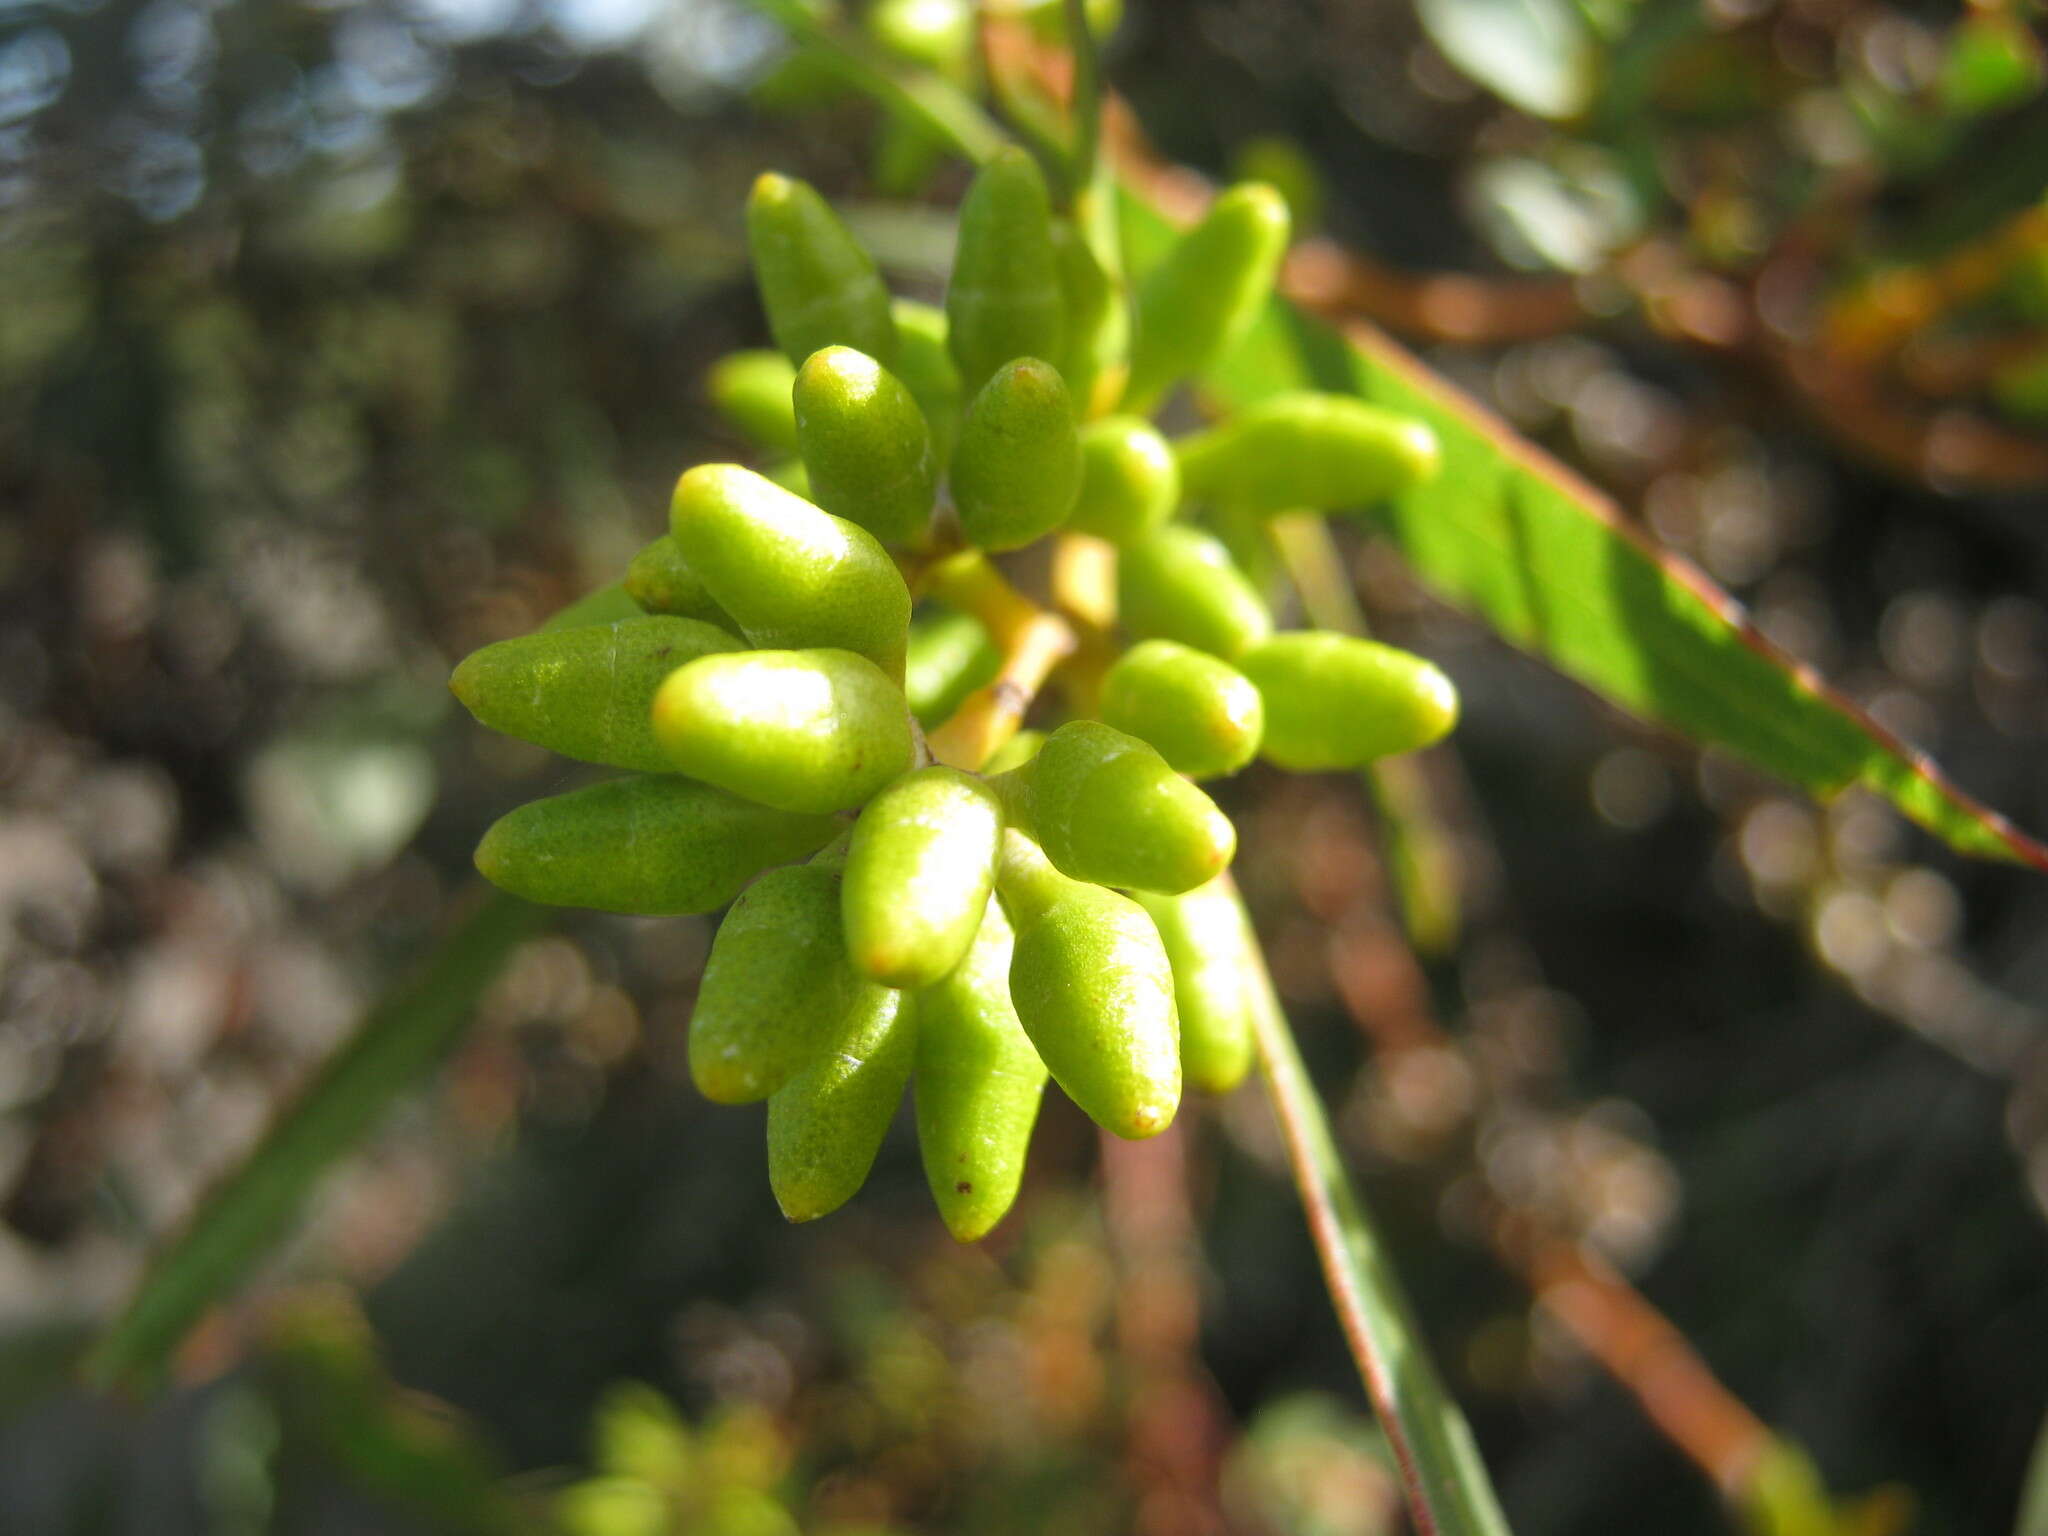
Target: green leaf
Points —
{"points": [[1446, 1482], [243, 1217], [1535, 54], [1517, 540]]}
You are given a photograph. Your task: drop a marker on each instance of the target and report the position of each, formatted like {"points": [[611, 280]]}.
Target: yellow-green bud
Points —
{"points": [[978, 1087], [925, 365], [777, 989], [827, 1122], [814, 731], [660, 580], [951, 655], [1333, 701], [1130, 482], [1005, 299], [1200, 299], [656, 845], [1106, 808], [1212, 952], [918, 875], [791, 575], [817, 284], [1304, 449], [585, 691], [1181, 584], [865, 444], [1017, 466], [1203, 715], [1094, 992], [751, 390]]}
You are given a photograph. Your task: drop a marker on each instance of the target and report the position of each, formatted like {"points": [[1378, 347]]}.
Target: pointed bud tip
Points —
{"points": [[1261, 199]]}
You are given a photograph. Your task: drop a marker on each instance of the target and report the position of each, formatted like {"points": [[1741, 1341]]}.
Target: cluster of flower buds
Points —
{"points": [[1059, 908]]}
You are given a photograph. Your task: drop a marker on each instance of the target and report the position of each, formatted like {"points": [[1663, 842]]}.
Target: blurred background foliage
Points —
{"points": [[338, 339]]}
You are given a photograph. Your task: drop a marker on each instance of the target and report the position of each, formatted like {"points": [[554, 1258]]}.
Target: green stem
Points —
{"points": [[1087, 104], [941, 106], [1445, 1480]]}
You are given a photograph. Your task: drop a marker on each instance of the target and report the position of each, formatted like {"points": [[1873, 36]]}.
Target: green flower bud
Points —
{"points": [[606, 605], [585, 691], [1094, 992], [979, 1084], [793, 576], [751, 390], [660, 581], [1098, 325], [655, 845], [918, 875], [1197, 302], [1005, 299], [1211, 949], [817, 284], [1203, 715], [791, 475], [1014, 753], [827, 1122], [865, 444], [1130, 483], [1017, 466], [1337, 702], [907, 153], [1304, 449], [816, 730], [937, 34], [1106, 808], [777, 990], [1180, 584], [951, 655], [925, 365]]}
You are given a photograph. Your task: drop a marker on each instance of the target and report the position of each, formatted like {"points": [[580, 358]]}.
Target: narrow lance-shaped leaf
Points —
{"points": [[1511, 536], [1448, 1490], [250, 1210]]}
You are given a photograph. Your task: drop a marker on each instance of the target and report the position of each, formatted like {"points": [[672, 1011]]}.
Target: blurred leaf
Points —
{"points": [[1785, 1496], [406, 1448], [1541, 215], [1536, 54], [1308, 1466], [1993, 62], [2033, 1520], [637, 1433], [1515, 539], [329, 805], [1432, 1444], [239, 1222], [612, 1506]]}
